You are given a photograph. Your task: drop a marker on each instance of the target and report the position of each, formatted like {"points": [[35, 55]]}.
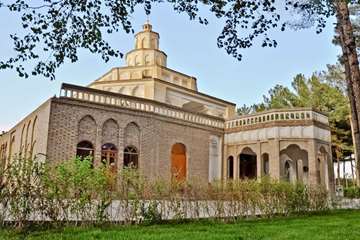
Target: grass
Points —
{"points": [[344, 224]]}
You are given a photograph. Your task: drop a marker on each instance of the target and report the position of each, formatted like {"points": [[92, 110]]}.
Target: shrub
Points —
{"points": [[352, 192], [77, 191]]}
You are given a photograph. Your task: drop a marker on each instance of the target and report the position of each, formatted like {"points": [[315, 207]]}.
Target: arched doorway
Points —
{"points": [[247, 165], [230, 167], [178, 162], [294, 164]]}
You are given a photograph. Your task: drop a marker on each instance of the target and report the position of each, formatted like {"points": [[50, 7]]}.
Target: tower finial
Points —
{"points": [[147, 26]]}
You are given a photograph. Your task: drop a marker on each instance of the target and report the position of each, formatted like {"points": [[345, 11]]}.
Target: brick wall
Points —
{"points": [[155, 135], [30, 133]]}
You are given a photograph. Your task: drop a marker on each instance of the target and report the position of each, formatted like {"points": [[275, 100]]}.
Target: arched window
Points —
{"points": [[27, 142], [22, 140], [109, 154], [131, 157], [147, 60], [318, 171], [33, 141], [85, 149], [265, 162], [11, 146], [230, 167], [287, 170], [137, 60]]}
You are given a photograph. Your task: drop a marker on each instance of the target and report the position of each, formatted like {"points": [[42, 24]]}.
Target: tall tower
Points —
{"points": [[146, 52]]}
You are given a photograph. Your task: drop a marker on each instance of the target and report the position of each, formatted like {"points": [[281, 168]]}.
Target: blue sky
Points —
{"points": [[191, 49]]}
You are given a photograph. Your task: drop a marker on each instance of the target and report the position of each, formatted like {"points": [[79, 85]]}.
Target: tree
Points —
{"points": [[56, 29], [245, 110], [340, 72], [60, 28], [324, 95]]}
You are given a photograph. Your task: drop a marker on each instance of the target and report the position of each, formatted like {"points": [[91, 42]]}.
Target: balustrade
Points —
{"points": [[96, 96], [276, 116]]}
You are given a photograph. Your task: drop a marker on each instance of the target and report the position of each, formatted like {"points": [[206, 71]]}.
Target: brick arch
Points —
{"points": [[247, 150], [21, 146], [247, 163], [322, 149], [11, 146], [87, 129], [244, 148], [33, 137], [301, 145], [298, 159], [110, 132], [27, 140], [132, 135]]}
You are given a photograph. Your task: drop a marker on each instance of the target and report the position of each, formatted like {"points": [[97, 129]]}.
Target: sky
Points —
{"points": [[191, 49]]}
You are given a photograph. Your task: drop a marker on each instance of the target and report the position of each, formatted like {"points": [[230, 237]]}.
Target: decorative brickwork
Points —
{"points": [[110, 132], [132, 135], [87, 129]]}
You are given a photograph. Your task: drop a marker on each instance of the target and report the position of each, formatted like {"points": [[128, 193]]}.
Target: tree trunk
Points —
{"points": [[352, 172], [353, 74], [338, 170], [344, 174], [353, 116]]}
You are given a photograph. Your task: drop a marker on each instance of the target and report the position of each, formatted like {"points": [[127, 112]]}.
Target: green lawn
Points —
{"points": [[334, 225]]}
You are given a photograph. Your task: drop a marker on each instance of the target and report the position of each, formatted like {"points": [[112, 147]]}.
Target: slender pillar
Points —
{"points": [[237, 163], [225, 162], [312, 151], [274, 159], [300, 171], [258, 161]]}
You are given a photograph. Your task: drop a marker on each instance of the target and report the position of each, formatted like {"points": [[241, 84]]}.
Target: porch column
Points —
{"points": [[258, 161], [274, 159], [312, 153]]}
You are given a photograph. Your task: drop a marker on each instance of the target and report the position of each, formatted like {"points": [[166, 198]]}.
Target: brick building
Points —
{"points": [[150, 117]]}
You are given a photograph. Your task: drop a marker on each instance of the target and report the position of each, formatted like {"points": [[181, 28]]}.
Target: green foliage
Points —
{"points": [[352, 192], [74, 184], [77, 191], [21, 189], [59, 29], [151, 213]]}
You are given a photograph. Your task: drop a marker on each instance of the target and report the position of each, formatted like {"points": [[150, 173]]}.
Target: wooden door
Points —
{"points": [[178, 162]]}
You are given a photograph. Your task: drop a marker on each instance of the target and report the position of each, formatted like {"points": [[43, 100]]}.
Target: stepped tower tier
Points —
{"points": [[146, 50], [146, 75]]}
